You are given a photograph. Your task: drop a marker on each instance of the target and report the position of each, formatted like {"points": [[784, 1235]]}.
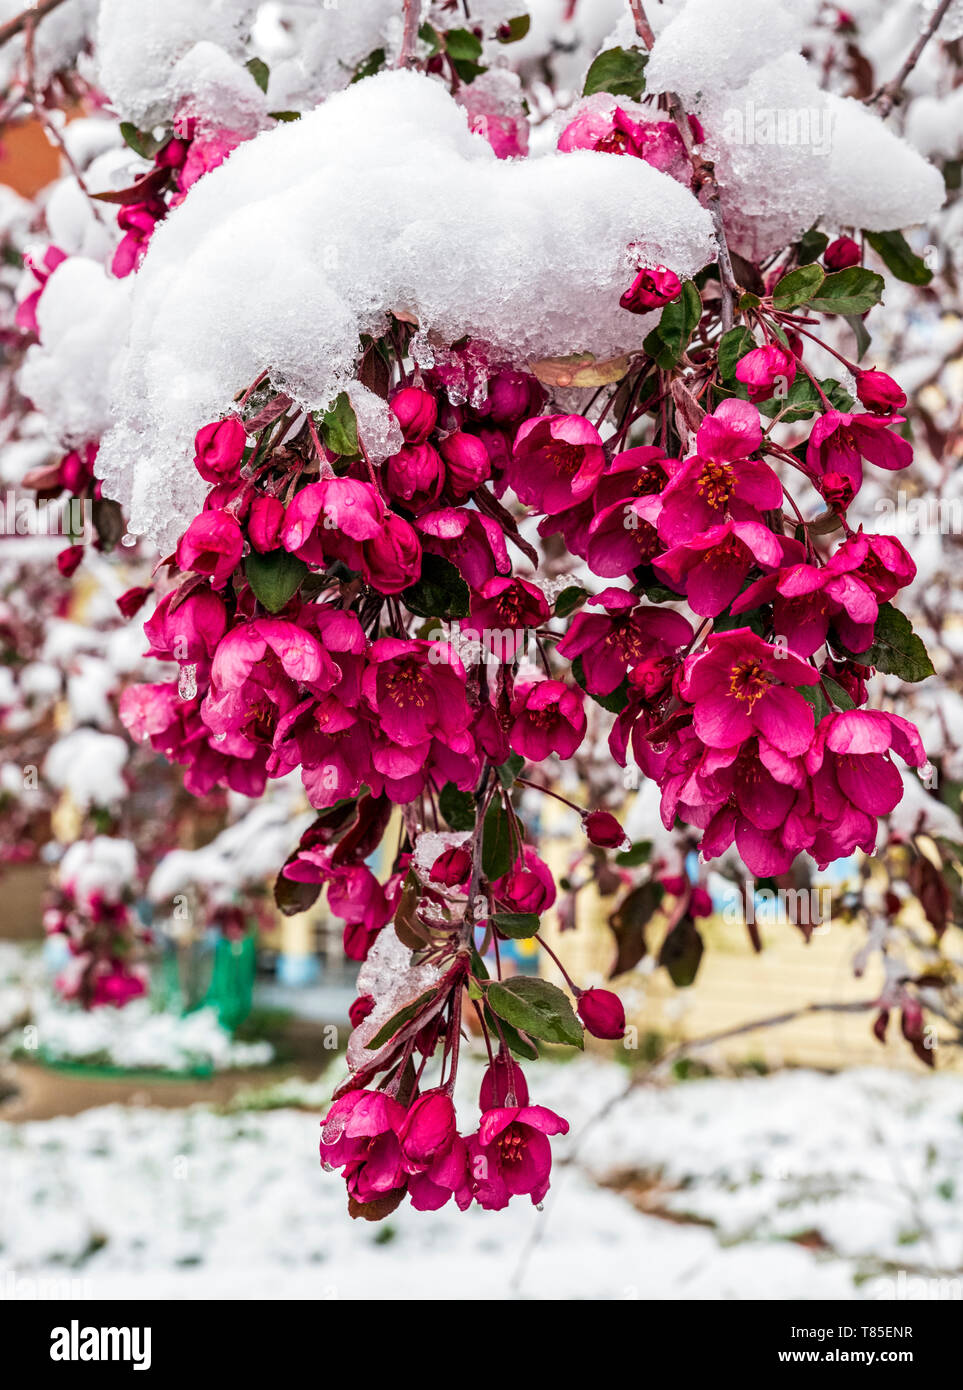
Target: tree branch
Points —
{"points": [[890, 93], [410, 34], [33, 15]]}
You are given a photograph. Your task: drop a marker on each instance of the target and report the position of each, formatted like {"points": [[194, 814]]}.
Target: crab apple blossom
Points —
{"points": [[842, 253], [651, 289], [879, 393], [840, 442], [602, 1013], [527, 492], [218, 450], [547, 717], [763, 369], [557, 460]]}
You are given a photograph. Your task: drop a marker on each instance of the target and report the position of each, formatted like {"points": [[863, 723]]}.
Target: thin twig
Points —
{"points": [[410, 33], [33, 15], [889, 94]]}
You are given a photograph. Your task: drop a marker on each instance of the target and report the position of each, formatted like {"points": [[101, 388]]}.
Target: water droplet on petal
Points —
{"points": [[187, 682], [129, 539]]}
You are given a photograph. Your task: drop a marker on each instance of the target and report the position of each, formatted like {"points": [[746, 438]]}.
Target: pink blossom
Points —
{"points": [[627, 633], [651, 289], [841, 254], [360, 1135], [218, 450], [879, 393], [137, 221], [557, 460], [710, 568], [601, 828], [839, 442], [416, 411], [265, 522], [415, 476], [502, 612], [719, 481], [602, 1013], [26, 315], [186, 626], [615, 132], [528, 886], [211, 545], [765, 368], [467, 463], [547, 717], [740, 685], [513, 1142], [474, 544]]}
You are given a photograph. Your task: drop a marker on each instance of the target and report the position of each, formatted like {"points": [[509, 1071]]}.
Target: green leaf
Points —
{"points": [[841, 698], [659, 593], [798, 287], [440, 592], [497, 850], [457, 807], [836, 394], [614, 702], [811, 246], [861, 332], [339, 428], [274, 577], [733, 346], [679, 319], [896, 649], [570, 599], [293, 897], [814, 695], [514, 29], [372, 64], [638, 854], [799, 403], [510, 769], [517, 925], [629, 922], [260, 71], [140, 141], [464, 49], [537, 1007], [754, 619], [899, 257], [620, 71], [397, 1021], [521, 1045], [682, 952], [429, 35], [285, 117], [849, 291]]}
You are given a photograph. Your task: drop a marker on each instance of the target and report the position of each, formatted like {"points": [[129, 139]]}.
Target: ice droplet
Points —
{"points": [[129, 539], [187, 682]]}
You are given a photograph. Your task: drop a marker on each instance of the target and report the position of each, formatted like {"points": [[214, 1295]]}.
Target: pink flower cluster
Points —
{"points": [[103, 937], [296, 622], [386, 1149]]}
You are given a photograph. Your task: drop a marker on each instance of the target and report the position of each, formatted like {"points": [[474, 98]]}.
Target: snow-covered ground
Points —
{"points": [[863, 1167], [137, 1036]]}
